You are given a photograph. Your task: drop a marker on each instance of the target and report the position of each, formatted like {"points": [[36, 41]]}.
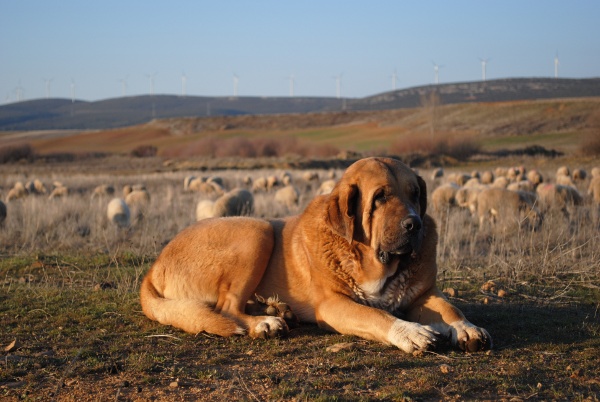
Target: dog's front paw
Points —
{"points": [[411, 336], [469, 338], [269, 327]]}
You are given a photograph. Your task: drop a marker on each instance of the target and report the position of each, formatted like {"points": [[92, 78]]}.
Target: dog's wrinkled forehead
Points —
{"points": [[383, 171]]}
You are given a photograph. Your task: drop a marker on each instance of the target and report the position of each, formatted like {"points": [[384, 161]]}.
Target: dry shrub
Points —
{"points": [[252, 148], [144, 151], [459, 147], [590, 143], [16, 152]]}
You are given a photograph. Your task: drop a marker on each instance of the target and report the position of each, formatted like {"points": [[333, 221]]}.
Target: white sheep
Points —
{"points": [[535, 177], [103, 190], [443, 197], [556, 196], [288, 196], [499, 205], [596, 172], [437, 173], [118, 213], [487, 177], [138, 199], [186, 182], [236, 202], [59, 191], [18, 191], [594, 190], [35, 187], [326, 187]]}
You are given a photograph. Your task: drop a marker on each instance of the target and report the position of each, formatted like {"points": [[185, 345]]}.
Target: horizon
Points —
{"points": [[94, 52], [231, 97]]}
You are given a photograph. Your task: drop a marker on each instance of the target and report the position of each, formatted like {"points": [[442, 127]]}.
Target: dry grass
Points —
{"points": [[77, 343]]}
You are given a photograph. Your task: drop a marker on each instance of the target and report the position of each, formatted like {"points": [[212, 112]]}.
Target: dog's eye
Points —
{"points": [[415, 193], [379, 198]]}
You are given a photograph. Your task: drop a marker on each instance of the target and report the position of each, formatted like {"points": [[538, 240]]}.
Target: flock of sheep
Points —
{"points": [[515, 195], [505, 195]]}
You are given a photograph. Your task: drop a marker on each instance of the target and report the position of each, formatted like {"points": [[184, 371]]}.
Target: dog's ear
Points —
{"points": [[341, 212], [422, 196]]}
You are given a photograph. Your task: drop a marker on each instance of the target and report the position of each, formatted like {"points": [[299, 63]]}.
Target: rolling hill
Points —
{"points": [[63, 114]]}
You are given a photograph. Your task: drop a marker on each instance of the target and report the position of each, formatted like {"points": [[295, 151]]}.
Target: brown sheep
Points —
{"points": [[2, 212], [499, 205], [578, 175]]}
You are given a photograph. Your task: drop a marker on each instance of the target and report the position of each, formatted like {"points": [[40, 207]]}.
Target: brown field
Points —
{"points": [[69, 278]]}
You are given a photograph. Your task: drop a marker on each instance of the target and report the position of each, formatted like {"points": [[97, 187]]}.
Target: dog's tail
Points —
{"points": [[192, 315]]}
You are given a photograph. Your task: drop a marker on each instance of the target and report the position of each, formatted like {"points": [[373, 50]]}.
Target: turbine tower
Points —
{"points": [[183, 82], [236, 81], [338, 85], [394, 78], [484, 63], [436, 71], [48, 83], [151, 78], [123, 86], [556, 63], [291, 78], [72, 91]]}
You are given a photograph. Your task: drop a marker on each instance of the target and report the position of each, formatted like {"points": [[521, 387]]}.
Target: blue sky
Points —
{"points": [[51, 47]]}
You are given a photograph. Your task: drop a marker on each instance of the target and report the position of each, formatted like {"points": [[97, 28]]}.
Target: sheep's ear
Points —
{"points": [[342, 210], [422, 196]]}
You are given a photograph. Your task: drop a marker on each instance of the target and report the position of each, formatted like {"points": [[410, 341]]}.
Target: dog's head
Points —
{"points": [[380, 202]]}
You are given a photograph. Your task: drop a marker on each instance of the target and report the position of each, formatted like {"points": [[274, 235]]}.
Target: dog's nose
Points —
{"points": [[411, 223]]}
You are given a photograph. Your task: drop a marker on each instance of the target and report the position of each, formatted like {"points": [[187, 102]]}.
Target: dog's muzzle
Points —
{"points": [[408, 241]]}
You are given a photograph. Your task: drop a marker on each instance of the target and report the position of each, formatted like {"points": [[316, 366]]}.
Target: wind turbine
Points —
{"points": [[19, 92], [151, 78], [338, 85], [291, 78], [183, 82], [48, 82], [72, 91], [236, 80], [123, 86], [484, 63], [556, 63], [394, 78], [436, 71]]}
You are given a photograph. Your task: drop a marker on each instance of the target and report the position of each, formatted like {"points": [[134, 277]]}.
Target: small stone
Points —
{"points": [[451, 292], [445, 369], [174, 384], [502, 293], [341, 346]]}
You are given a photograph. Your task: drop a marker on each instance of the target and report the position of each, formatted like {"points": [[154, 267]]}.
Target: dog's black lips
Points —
{"points": [[386, 256]]}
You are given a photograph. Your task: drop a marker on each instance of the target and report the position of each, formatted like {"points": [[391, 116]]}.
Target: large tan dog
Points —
{"points": [[353, 262]]}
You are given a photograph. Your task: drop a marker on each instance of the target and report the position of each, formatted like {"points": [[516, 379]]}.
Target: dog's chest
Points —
{"points": [[388, 294]]}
